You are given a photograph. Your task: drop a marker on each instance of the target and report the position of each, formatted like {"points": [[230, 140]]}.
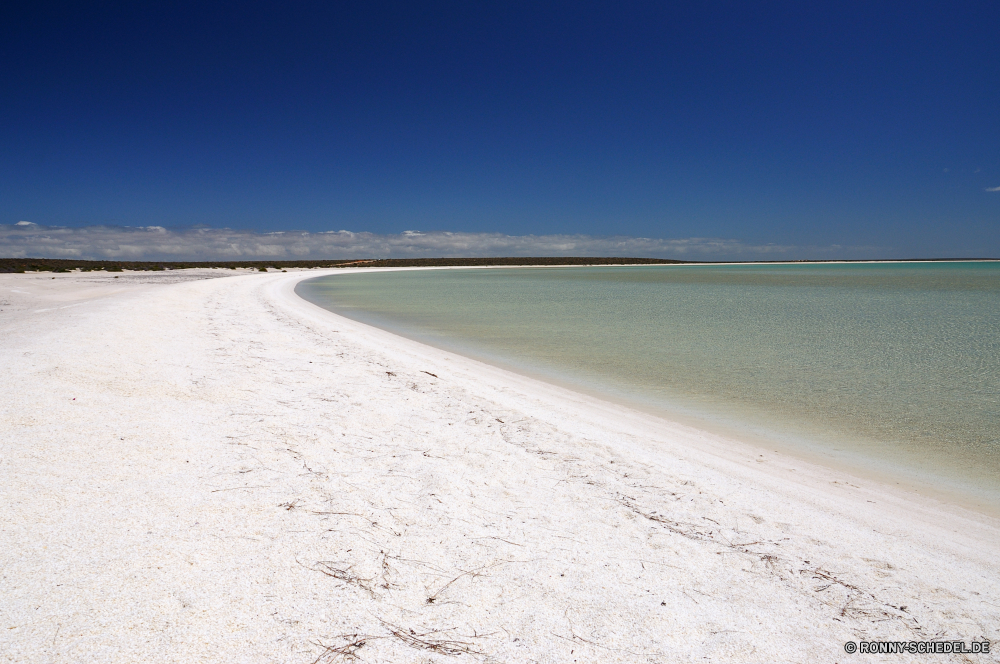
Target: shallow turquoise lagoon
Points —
{"points": [[892, 368]]}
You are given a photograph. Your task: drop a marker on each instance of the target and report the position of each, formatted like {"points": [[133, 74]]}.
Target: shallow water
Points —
{"points": [[891, 367]]}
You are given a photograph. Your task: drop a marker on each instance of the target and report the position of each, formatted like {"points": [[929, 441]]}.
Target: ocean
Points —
{"points": [[886, 369]]}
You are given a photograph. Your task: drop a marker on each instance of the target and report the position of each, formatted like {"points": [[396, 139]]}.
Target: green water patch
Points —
{"points": [[886, 365]]}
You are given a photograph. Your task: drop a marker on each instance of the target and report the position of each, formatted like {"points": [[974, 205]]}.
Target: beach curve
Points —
{"points": [[199, 467]]}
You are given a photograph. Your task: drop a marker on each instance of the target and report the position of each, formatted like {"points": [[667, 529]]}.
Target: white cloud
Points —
{"points": [[993, 189], [26, 239]]}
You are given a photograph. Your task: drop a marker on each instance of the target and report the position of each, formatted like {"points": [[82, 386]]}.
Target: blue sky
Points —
{"points": [[872, 127]]}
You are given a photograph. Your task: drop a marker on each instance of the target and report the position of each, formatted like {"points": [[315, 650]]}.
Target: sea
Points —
{"points": [[889, 370]]}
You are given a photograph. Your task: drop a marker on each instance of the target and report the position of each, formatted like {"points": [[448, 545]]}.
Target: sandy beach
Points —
{"points": [[201, 466]]}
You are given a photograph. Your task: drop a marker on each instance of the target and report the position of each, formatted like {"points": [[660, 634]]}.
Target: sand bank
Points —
{"points": [[199, 469]]}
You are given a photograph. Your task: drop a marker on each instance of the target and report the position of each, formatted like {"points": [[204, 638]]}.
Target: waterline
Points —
{"points": [[887, 366]]}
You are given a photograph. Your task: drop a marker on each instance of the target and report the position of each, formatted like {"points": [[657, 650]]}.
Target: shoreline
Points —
{"points": [[906, 476], [219, 466]]}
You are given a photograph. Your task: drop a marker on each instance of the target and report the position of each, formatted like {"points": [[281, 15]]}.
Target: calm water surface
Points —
{"points": [[894, 368]]}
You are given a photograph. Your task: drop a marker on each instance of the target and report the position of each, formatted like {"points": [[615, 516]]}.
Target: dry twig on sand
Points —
{"points": [[342, 572], [419, 641], [346, 651], [473, 573]]}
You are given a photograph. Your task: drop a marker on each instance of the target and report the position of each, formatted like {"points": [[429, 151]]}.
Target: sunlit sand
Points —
{"points": [[201, 466]]}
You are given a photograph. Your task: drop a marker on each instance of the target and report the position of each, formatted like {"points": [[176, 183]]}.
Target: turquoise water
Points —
{"points": [[888, 368]]}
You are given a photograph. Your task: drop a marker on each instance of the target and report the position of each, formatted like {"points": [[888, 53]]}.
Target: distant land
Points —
{"points": [[66, 265]]}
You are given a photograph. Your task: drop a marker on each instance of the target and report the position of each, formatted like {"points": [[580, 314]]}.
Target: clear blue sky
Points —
{"points": [[797, 123]]}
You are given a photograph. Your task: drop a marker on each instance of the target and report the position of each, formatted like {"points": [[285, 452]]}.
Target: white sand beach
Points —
{"points": [[199, 466]]}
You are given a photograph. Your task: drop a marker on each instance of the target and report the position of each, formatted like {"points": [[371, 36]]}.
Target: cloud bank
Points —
{"points": [[28, 240], [993, 189]]}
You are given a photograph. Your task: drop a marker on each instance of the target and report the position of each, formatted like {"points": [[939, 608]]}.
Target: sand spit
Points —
{"points": [[212, 469]]}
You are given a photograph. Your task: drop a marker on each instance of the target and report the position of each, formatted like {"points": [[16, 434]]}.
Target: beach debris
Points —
{"points": [[421, 642], [342, 572], [346, 651], [474, 573], [410, 637]]}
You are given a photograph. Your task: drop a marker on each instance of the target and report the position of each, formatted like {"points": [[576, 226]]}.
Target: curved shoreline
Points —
{"points": [[903, 469], [220, 466]]}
